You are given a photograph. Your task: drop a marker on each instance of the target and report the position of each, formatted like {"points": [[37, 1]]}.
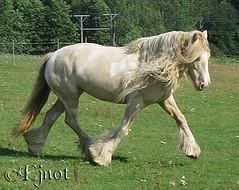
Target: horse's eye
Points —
{"points": [[198, 59]]}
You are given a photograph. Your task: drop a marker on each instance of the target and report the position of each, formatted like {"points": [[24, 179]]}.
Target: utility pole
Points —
{"points": [[81, 18], [112, 27]]}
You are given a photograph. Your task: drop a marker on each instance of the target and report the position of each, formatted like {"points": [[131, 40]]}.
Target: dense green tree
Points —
{"points": [[128, 27], [221, 20], [32, 12], [228, 28], [58, 23], [149, 15], [180, 15], [12, 26], [49, 20]]}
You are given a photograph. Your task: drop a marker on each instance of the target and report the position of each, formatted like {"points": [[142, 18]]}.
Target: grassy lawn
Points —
{"points": [[141, 161]]}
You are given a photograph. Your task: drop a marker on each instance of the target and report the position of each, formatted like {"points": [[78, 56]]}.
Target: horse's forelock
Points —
{"points": [[193, 44]]}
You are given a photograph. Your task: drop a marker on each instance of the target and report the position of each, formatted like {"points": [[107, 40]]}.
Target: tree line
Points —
{"points": [[28, 22]]}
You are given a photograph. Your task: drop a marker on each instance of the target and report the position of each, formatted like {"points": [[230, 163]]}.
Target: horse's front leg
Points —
{"points": [[187, 143], [102, 149]]}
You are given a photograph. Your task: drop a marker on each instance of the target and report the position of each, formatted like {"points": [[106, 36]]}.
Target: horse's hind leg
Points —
{"points": [[71, 107], [36, 138]]}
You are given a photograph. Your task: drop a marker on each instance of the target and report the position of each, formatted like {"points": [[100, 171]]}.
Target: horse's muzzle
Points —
{"points": [[200, 85]]}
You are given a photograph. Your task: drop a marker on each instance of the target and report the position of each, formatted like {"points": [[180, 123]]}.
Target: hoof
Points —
{"points": [[188, 145], [192, 150], [34, 154], [192, 157], [35, 142], [101, 153]]}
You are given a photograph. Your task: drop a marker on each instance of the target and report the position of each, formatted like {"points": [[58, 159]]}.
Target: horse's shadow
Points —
{"points": [[17, 153]]}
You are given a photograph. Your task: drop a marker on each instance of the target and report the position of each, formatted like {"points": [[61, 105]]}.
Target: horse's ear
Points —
{"points": [[194, 38], [205, 33]]}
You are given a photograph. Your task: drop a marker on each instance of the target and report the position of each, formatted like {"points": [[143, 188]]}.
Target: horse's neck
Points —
{"points": [[133, 61]]}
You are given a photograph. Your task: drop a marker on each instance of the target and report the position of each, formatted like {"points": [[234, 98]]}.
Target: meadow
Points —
{"points": [[146, 159]]}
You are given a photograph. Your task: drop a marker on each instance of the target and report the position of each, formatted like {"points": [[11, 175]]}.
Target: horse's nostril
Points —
{"points": [[202, 85]]}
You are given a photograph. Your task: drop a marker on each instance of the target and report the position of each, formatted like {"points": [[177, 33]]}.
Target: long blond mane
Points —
{"points": [[162, 58]]}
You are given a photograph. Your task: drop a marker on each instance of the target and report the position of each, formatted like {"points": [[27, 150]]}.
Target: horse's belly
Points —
{"points": [[99, 83], [103, 90]]}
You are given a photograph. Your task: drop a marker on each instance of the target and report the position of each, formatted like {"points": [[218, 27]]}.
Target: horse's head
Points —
{"points": [[199, 72], [198, 69]]}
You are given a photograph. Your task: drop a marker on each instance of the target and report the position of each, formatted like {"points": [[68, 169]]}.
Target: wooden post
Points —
{"points": [[13, 52], [112, 27], [58, 44]]}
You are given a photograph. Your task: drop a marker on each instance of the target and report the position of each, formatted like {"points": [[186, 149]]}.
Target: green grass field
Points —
{"points": [[141, 161]]}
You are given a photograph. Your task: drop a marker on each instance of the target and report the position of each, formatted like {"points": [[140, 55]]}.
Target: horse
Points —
{"points": [[144, 72]]}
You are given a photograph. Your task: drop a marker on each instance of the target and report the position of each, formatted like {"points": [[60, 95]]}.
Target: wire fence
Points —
{"points": [[10, 51], [21, 52]]}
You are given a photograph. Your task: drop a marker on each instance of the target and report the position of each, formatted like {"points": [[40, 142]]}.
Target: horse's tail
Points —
{"points": [[36, 101]]}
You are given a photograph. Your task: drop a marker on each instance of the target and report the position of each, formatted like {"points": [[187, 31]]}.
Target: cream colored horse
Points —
{"points": [[144, 72]]}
